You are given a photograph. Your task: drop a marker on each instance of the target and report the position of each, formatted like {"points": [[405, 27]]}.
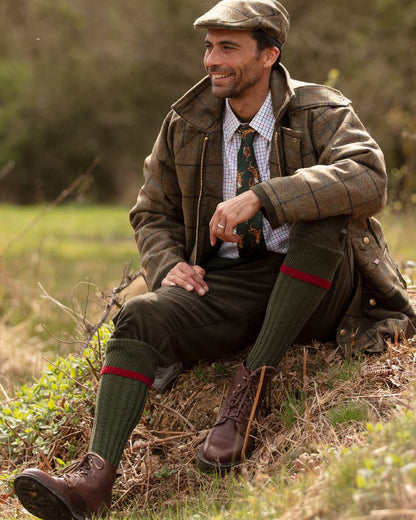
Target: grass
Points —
{"points": [[349, 411], [339, 444], [75, 252]]}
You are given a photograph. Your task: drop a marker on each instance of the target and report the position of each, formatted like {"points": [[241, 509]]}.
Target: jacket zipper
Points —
{"points": [[198, 209], [276, 143]]}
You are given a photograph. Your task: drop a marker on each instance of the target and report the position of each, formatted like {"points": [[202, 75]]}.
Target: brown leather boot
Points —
{"points": [[82, 491], [230, 440]]}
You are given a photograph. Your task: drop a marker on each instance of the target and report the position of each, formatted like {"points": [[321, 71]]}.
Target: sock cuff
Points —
{"points": [[311, 263], [131, 358], [129, 374]]}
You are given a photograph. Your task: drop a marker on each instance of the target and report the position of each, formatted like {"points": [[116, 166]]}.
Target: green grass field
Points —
{"points": [[75, 252]]}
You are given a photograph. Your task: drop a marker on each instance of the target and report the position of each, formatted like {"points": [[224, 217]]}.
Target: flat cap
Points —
{"points": [[268, 15]]}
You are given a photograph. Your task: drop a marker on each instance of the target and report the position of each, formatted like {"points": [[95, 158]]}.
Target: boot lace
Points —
{"points": [[79, 469], [242, 397]]}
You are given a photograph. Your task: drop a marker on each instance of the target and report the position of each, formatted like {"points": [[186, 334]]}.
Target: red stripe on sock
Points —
{"points": [[305, 277], [127, 373]]}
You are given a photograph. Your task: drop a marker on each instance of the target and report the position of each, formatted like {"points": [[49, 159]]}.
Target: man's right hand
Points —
{"points": [[190, 277]]}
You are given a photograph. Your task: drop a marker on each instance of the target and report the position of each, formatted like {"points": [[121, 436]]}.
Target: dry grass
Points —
{"points": [[20, 355], [158, 465]]}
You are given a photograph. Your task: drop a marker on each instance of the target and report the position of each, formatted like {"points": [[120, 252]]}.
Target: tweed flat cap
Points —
{"points": [[267, 15]]}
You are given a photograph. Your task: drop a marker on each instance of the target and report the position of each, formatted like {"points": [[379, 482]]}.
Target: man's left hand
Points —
{"points": [[230, 213]]}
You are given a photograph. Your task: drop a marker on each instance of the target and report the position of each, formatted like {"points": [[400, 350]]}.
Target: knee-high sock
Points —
{"points": [[127, 374], [303, 281]]}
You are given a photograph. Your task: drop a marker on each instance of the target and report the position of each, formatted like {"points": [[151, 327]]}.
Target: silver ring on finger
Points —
{"points": [[220, 226]]}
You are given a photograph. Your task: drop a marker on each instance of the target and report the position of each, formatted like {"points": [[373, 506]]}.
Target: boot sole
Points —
{"points": [[43, 502], [212, 466]]}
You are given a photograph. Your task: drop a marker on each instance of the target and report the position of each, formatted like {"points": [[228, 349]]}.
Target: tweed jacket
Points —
{"points": [[323, 163]]}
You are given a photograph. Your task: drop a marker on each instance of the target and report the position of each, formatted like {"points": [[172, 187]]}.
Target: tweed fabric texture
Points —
{"points": [[323, 163], [268, 15]]}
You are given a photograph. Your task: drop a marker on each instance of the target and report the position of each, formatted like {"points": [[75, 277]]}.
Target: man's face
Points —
{"points": [[233, 62]]}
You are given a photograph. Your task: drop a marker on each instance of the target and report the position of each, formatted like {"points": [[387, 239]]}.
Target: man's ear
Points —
{"points": [[270, 56]]}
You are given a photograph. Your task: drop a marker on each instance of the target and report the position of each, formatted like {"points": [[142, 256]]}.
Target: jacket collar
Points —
{"points": [[200, 108]]}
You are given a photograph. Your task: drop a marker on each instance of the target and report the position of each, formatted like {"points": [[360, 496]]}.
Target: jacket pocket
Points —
{"points": [[292, 152]]}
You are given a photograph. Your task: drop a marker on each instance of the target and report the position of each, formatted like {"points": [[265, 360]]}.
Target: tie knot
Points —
{"points": [[247, 134]]}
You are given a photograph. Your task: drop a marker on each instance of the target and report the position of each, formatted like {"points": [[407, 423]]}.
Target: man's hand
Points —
{"points": [[190, 277], [230, 213]]}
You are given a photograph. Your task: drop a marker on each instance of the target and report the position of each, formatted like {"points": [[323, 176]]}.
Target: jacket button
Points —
{"points": [[295, 140], [343, 332], [366, 241], [373, 302]]}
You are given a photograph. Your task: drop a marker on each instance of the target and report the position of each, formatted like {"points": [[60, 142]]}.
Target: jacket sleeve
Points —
{"points": [[157, 216], [349, 177]]}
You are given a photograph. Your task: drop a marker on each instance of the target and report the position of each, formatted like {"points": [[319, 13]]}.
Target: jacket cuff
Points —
{"points": [[268, 210]]}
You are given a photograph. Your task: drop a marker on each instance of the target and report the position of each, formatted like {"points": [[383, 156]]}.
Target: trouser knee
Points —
{"points": [[133, 319], [329, 232]]}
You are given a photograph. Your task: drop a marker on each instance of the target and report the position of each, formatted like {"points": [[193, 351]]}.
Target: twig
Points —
{"points": [[11, 400], [114, 506], [92, 369], [60, 340], [17, 435], [45, 460], [253, 412], [74, 315], [305, 360], [351, 347], [4, 392], [396, 337], [383, 514], [126, 281], [172, 410], [61, 197], [158, 442], [305, 381]]}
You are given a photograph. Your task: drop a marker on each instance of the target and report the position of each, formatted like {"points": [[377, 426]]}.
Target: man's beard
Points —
{"points": [[233, 91]]}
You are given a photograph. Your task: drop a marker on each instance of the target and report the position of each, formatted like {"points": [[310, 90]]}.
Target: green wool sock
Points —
{"points": [[127, 374], [304, 279]]}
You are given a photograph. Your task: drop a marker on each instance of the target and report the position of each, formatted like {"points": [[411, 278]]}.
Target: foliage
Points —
{"points": [[77, 253], [44, 419], [379, 475], [85, 79]]}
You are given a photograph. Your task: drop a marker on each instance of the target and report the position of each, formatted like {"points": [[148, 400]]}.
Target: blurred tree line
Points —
{"points": [[80, 80]]}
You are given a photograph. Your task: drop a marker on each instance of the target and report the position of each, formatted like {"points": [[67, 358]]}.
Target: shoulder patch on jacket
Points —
{"points": [[310, 95]]}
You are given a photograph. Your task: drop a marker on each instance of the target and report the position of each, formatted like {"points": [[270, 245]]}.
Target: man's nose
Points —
{"points": [[212, 58]]}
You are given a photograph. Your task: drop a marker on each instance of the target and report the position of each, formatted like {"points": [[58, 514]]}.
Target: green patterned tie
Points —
{"points": [[251, 231]]}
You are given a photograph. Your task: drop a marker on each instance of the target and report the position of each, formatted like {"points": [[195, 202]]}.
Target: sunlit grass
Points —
{"points": [[72, 247], [74, 252]]}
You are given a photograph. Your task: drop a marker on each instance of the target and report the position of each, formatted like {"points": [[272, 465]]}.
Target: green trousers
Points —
{"points": [[267, 302], [182, 326]]}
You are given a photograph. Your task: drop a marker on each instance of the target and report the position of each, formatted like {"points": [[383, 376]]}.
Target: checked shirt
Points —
{"points": [[263, 122]]}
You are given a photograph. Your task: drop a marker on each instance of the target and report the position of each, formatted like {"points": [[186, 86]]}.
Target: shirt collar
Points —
{"points": [[262, 122]]}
